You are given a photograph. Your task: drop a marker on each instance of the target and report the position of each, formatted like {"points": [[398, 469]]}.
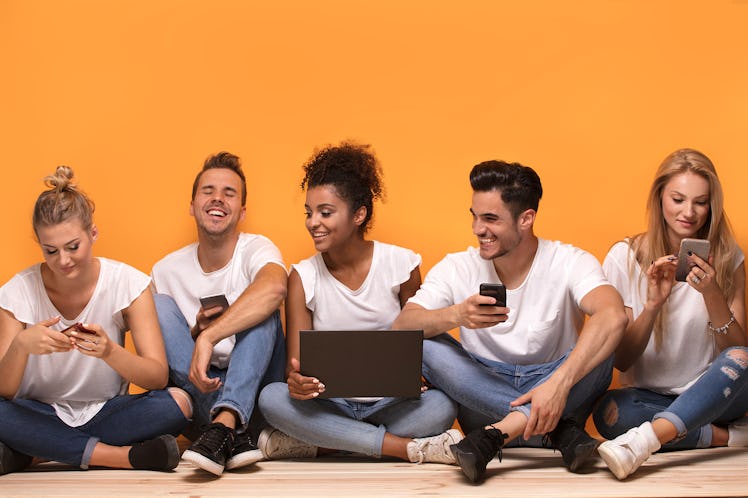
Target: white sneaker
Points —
{"points": [[276, 445], [434, 449], [627, 452], [738, 433]]}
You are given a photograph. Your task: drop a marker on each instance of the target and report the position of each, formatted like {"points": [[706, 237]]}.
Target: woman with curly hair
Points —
{"points": [[355, 284]]}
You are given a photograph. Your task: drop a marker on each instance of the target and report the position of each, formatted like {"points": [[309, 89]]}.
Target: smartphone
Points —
{"points": [[77, 327], [496, 291], [699, 247], [213, 301]]}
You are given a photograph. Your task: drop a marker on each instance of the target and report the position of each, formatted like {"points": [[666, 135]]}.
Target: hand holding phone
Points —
{"points": [[74, 330], [496, 291], [699, 247], [217, 301]]}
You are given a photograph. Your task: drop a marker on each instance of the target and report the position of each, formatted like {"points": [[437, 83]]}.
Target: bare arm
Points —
{"points": [[468, 314], [147, 367], [660, 280], [718, 308], [17, 343], [298, 317], [258, 301], [409, 288], [597, 340]]}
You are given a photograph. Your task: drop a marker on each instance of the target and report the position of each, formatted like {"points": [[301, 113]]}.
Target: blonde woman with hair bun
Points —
{"points": [[683, 356], [64, 371]]}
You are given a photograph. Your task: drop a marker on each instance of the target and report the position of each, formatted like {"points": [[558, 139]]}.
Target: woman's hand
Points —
{"points": [[660, 281], [702, 275], [301, 387], [40, 339], [91, 340]]}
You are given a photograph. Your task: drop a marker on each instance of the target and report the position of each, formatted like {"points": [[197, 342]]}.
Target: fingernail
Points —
{"points": [[314, 395], [321, 387]]}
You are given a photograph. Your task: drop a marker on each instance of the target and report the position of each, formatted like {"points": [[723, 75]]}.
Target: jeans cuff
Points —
{"points": [[376, 451], [523, 409], [88, 451], [674, 419]]}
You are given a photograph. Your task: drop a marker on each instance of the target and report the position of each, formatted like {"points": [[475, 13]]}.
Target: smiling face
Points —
{"points": [[66, 247], [329, 219], [685, 206], [497, 230], [217, 205]]}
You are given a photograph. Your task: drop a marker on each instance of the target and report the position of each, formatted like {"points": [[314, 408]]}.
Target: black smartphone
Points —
{"points": [[496, 291], [220, 300], [699, 247]]}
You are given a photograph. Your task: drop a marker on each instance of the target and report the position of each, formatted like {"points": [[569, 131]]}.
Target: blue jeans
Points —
{"points": [[484, 388], [33, 428], [258, 358], [719, 396], [353, 426]]}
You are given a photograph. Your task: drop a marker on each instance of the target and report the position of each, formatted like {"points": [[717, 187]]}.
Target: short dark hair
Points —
{"points": [[519, 185], [353, 170], [225, 160]]}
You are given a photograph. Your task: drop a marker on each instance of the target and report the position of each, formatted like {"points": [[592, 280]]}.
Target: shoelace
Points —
{"points": [[499, 438], [215, 436]]}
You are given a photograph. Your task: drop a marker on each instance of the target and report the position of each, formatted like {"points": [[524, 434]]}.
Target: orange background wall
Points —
{"points": [[592, 94]]}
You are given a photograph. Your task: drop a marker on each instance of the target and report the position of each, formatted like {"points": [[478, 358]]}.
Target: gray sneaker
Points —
{"points": [[434, 449], [276, 445]]}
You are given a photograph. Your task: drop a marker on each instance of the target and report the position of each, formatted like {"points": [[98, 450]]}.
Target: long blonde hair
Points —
{"points": [[62, 201], [653, 243]]}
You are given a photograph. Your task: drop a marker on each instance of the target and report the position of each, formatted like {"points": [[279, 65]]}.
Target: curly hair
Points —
{"points": [[63, 201], [353, 170]]}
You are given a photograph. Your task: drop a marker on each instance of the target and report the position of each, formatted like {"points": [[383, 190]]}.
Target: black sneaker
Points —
{"points": [[11, 460], [477, 449], [212, 449], [244, 453], [575, 445], [161, 453]]}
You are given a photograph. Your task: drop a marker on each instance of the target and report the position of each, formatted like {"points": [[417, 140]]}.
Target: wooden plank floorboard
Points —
{"points": [[524, 473]]}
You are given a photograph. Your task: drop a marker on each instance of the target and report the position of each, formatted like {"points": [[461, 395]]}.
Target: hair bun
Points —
{"points": [[62, 179]]}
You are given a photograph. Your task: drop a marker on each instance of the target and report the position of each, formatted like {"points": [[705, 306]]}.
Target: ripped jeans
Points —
{"points": [[719, 396]]}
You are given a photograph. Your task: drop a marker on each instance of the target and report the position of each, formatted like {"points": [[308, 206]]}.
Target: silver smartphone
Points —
{"points": [[699, 247]]}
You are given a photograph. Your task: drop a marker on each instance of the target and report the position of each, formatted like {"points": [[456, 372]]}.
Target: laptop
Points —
{"points": [[363, 363]]}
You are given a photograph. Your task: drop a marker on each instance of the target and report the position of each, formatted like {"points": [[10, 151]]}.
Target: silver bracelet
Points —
{"points": [[723, 328]]}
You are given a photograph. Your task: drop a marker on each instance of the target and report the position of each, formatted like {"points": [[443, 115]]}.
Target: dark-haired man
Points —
{"points": [[222, 356], [534, 367]]}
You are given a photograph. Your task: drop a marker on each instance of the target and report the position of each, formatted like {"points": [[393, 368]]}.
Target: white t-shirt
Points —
{"points": [[373, 306], [77, 386], [544, 315], [180, 276], [688, 346]]}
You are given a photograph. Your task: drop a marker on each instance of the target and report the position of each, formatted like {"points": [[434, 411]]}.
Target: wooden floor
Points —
{"points": [[524, 473]]}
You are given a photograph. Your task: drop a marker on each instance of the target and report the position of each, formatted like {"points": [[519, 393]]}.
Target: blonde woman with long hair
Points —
{"points": [[683, 355], [64, 371]]}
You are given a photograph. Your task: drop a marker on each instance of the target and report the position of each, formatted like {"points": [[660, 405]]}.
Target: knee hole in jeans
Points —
{"points": [[183, 400], [610, 413], [739, 356]]}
